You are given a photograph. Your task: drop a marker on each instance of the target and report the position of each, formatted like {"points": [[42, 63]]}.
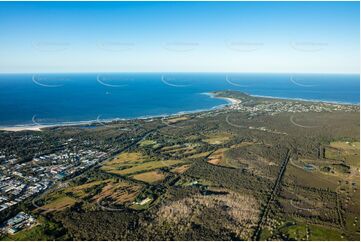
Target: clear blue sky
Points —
{"points": [[185, 36]]}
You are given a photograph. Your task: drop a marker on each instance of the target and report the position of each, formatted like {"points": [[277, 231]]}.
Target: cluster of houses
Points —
{"points": [[274, 107], [14, 190], [21, 180], [17, 223]]}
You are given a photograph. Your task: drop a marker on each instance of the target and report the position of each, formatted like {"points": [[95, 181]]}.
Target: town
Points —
{"points": [[21, 180], [278, 106]]}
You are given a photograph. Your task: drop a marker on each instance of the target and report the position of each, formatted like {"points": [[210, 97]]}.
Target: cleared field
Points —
{"points": [[82, 190], [244, 144], [234, 158], [59, 204], [216, 139], [107, 192], [184, 149], [118, 192], [150, 177], [349, 183], [172, 147], [127, 157], [123, 160], [295, 232], [176, 149], [311, 232], [338, 172], [347, 151], [175, 120], [148, 143], [86, 185], [199, 155], [324, 233], [301, 177], [347, 146], [301, 202], [180, 169], [147, 166], [333, 168], [217, 157]]}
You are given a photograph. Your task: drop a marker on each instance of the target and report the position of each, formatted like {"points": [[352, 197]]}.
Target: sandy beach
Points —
{"points": [[32, 127], [22, 128], [231, 101]]}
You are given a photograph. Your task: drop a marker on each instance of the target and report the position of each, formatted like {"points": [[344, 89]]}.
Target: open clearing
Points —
{"points": [[147, 143], [123, 159], [346, 151], [82, 190], [128, 157], [59, 204], [187, 149], [199, 155], [118, 192], [217, 157], [150, 177], [175, 120], [112, 191], [311, 232], [180, 169], [147, 166], [216, 139]]}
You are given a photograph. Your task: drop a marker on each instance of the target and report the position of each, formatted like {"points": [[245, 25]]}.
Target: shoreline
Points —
{"points": [[307, 100], [230, 102], [38, 127]]}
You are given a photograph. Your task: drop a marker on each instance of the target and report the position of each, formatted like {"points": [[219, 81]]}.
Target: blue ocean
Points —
{"points": [[62, 98]]}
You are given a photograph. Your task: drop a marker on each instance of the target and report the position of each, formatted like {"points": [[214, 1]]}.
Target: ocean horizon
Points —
{"points": [[55, 99]]}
